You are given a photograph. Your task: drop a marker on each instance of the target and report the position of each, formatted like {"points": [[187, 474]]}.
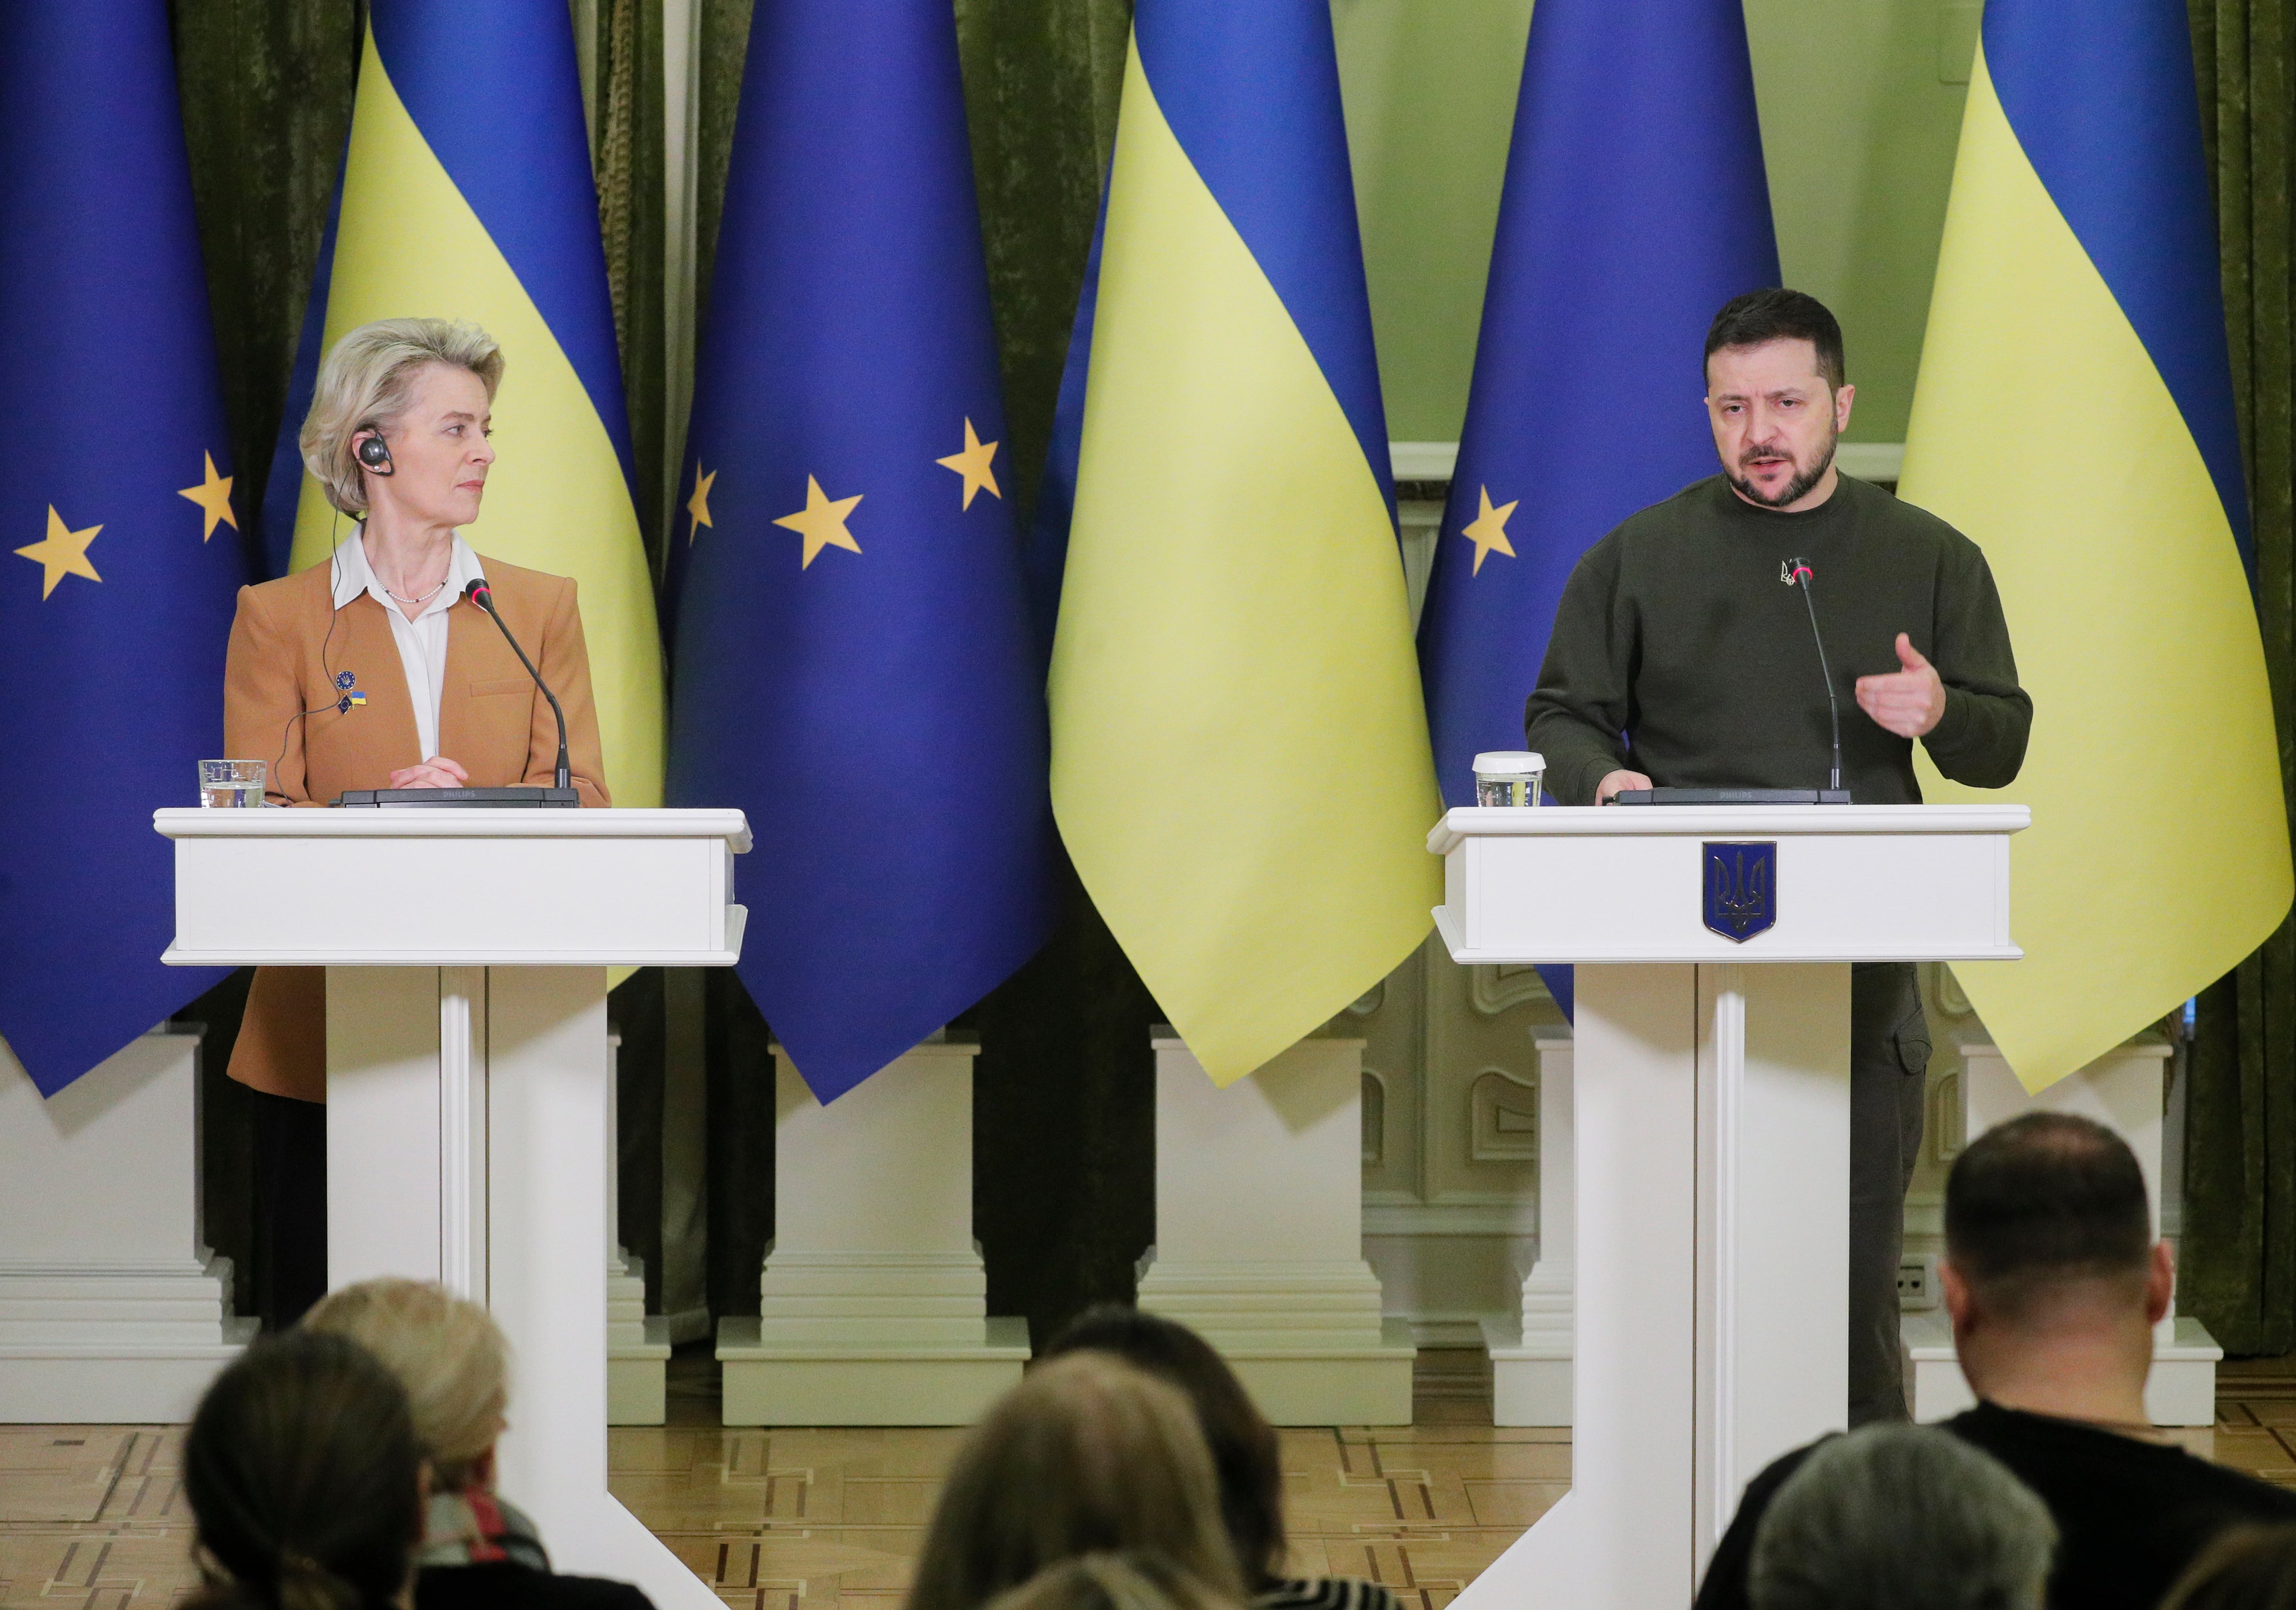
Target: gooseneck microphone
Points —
{"points": [[1796, 573], [480, 594]]}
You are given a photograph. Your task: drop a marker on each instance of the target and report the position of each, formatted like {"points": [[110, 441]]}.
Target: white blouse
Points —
{"points": [[422, 640]]}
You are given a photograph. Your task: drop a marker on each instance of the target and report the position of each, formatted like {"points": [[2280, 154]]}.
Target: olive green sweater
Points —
{"points": [[1679, 653]]}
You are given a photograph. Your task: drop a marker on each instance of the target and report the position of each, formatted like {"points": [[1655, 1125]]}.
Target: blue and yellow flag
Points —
{"points": [[854, 667], [2074, 415], [1240, 762], [1634, 206], [119, 551], [466, 193]]}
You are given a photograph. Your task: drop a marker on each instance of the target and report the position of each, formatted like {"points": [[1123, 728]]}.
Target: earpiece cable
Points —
{"points": [[342, 703]]}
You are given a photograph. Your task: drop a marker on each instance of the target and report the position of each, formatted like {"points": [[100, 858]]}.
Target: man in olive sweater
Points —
{"points": [[1682, 657]]}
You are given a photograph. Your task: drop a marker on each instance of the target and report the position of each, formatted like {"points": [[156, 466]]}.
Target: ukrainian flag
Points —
{"points": [[1240, 757], [2074, 415], [467, 194]]}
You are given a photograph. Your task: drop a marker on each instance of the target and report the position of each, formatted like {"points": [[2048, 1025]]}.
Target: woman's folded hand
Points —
{"points": [[436, 772]]}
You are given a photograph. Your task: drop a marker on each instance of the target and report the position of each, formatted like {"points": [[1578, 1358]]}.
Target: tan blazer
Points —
{"points": [[288, 645]]}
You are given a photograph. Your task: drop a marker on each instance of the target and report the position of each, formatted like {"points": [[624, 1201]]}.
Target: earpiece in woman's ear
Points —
{"points": [[374, 452]]}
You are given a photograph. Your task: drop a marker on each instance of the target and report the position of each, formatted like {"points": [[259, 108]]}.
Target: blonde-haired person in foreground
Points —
{"points": [[372, 669], [478, 1549], [1133, 1580], [1087, 1455]]}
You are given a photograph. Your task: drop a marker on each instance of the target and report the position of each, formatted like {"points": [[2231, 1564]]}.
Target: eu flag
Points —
{"points": [[853, 662], [119, 552], [1635, 206]]}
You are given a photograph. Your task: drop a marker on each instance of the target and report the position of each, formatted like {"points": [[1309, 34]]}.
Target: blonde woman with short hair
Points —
{"points": [[449, 1355], [479, 1549], [372, 669], [1086, 1455]]}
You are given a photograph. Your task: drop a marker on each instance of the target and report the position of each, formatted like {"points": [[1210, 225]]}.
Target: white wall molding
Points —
{"points": [[1502, 988], [1450, 1212], [111, 1311], [1260, 1243], [1872, 461], [1392, 1215], [872, 1304], [1422, 461]]}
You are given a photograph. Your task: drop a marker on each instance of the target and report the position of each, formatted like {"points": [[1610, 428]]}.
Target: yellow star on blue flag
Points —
{"points": [[60, 553], [213, 496], [822, 522], [974, 465]]}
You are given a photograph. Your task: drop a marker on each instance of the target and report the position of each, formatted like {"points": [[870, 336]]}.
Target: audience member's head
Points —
{"points": [[305, 1479], [2049, 1251], [1087, 1455], [450, 1356], [2248, 1568], [1901, 1518], [1245, 1453], [1133, 1581]]}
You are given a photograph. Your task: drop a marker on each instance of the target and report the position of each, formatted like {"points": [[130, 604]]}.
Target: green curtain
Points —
{"points": [[627, 155], [2239, 1248], [1065, 1093]]}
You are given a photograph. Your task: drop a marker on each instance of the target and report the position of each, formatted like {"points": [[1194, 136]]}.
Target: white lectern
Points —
{"points": [[466, 954], [1712, 1063]]}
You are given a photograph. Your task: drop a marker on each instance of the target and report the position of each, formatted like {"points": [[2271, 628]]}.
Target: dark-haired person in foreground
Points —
{"points": [[2054, 1282], [305, 1481], [1245, 1453], [1680, 659]]}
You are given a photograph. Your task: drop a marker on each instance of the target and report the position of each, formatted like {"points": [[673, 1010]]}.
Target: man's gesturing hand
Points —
{"points": [[1907, 702]]}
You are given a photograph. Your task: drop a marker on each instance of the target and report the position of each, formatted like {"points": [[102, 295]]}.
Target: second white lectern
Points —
{"points": [[1712, 1042], [466, 953]]}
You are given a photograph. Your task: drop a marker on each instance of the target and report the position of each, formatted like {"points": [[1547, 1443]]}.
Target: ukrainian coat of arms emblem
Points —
{"points": [[1741, 889]]}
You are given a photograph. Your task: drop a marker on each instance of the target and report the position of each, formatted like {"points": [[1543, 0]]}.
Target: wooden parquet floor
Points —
{"points": [[91, 1518], [830, 1519]]}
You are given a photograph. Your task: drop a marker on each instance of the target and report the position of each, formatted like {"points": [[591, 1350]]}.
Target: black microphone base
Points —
{"points": [[525, 796], [1730, 797]]}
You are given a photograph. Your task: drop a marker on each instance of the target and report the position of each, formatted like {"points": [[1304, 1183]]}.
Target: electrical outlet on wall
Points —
{"points": [[1917, 1285]]}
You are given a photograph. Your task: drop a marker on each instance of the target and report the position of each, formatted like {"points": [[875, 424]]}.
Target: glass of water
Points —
{"points": [[231, 785], [1509, 777]]}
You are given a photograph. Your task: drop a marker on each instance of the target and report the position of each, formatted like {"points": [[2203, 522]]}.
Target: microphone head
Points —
{"points": [[480, 593]]}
